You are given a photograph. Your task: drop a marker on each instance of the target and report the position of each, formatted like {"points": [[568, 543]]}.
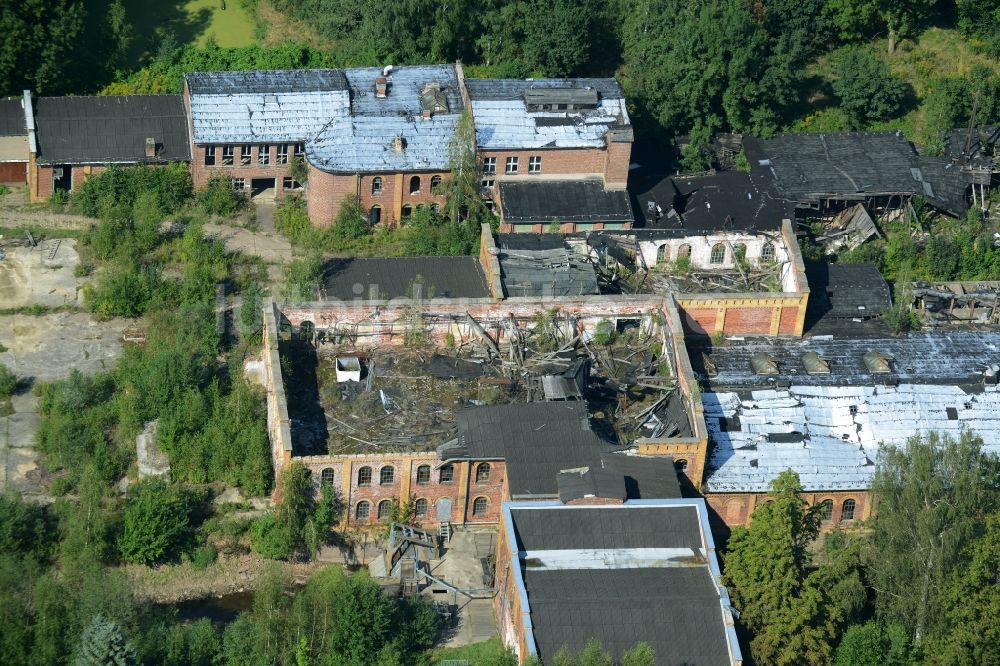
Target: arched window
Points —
{"points": [[681, 466], [740, 251], [718, 254], [386, 475], [363, 510], [436, 208], [435, 183], [384, 509], [446, 474], [424, 475], [482, 472], [479, 506], [377, 185], [767, 252], [326, 476], [847, 511], [407, 211], [420, 508], [365, 476], [684, 251], [375, 215], [414, 184], [662, 254], [826, 510]]}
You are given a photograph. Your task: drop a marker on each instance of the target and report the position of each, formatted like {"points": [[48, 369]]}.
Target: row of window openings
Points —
{"points": [[287, 183], [363, 509], [387, 475], [511, 166], [718, 255], [378, 184], [846, 510], [375, 213], [263, 155]]}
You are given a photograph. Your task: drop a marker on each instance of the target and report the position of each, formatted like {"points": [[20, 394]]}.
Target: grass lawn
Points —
{"points": [[190, 21], [491, 652], [934, 53]]}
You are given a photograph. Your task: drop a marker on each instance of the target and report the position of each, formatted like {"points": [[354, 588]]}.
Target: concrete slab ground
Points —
{"points": [[44, 348], [268, 245], [40, 275], [462, 568]]}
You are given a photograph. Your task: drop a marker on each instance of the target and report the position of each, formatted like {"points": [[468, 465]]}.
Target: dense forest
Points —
{"points": [[688, 67]]}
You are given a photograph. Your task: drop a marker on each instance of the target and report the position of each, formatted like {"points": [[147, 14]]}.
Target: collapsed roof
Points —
{"points": [[543, 265], [811, 168]]}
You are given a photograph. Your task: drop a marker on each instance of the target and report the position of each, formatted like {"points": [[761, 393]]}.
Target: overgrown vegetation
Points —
{"points": [[911, 588], [424, 233]]}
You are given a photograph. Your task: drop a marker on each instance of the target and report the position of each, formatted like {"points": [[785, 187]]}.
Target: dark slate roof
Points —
{"points": [[675, 610], [270, 81], [853, 165], [12, 118], [621, 477], [848, 290], [111, 129], [617, 526], [982, 145], [955, 358], [396, 277], [536, 440], [547, 201], [543, 266], [727, 200], [514, 89]]}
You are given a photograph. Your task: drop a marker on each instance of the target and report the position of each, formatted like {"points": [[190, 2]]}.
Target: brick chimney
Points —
{"points": [[399, 144], [381, 87], [150, 147]]}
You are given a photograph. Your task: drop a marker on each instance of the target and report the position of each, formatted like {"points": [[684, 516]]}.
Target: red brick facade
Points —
{"points": [[742, 321], [734, 509], [202, 173], [43, 179], [610, 163]]}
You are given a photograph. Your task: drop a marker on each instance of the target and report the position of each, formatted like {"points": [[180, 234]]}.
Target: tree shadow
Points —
{"points": [[154, 22], [305, 409]]}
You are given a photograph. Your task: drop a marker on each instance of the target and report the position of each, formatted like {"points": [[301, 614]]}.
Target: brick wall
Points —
{"points": [[700, 321], [748, 321], [511, 615], [617, 158], [325, 192], [734, 509], [80, 173], [789, 321], [43, 183], [201, 174], [396, 193]]}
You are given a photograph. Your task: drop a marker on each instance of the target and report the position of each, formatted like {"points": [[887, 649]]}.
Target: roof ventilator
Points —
{"points": [[991, 375], [877, 363], [763, 364], [815, 364]]}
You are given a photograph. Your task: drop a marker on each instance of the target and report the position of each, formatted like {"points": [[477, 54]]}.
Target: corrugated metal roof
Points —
{"points": [[503, 120], [263, 117], [367, 143], [840, 427]]}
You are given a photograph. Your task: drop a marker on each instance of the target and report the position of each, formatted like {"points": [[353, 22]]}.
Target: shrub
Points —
{"points": [[604, 333], [867, 89], [218, 198], [270, 539], [124, 290], [116, 191], [292, 220], [157, 523], [8, 382], [350, 224], [203, 557]]}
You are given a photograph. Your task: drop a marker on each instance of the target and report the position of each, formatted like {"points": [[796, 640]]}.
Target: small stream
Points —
{"points": [[223, 609]]}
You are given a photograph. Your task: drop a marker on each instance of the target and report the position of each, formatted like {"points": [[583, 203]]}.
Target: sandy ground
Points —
{"points": [[40, 275], [43, 348]]}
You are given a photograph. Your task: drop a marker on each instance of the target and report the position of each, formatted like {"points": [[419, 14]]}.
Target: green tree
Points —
{"points": [[103, 644], [867, 90], [558, 34], [932, 497], [970, 603], [874, 644], [463, 189], [640, 655], [157, 523], [899, 18], [794, 611], [351, 223]]}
